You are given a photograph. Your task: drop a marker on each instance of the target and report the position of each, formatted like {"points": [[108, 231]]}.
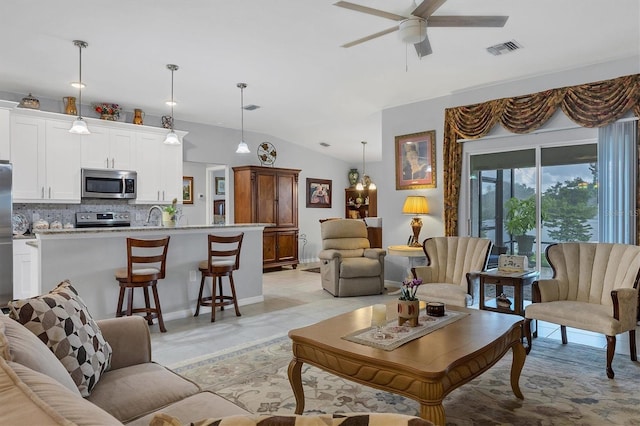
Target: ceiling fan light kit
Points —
{"points": [[413, 28]]}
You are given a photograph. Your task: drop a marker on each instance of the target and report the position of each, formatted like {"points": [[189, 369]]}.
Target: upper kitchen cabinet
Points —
{"points": [[5, 129], [46, 160], [108, 148], [159, 168]]}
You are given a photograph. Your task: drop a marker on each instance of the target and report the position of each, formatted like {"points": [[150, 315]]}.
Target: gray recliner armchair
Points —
{"points": [[349, 267]]}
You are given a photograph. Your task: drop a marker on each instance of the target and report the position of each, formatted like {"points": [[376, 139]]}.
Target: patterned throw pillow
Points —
{"points": [[61, 320]]}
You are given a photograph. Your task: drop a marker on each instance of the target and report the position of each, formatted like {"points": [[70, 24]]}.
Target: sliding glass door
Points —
{"points": [[525, 200]]}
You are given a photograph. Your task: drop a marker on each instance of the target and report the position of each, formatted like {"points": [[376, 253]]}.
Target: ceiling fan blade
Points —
{"points": [[467, 21], [370, 10], [427, 8], [370, 37], [423, 48]]}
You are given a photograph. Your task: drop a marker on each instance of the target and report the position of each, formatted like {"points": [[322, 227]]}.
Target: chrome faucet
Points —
{"points": [[151, 211]]}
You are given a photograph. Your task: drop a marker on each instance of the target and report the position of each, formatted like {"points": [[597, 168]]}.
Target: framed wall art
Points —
{"points": [[187, 189], [318, 193], [416, 160], [220, 186]]}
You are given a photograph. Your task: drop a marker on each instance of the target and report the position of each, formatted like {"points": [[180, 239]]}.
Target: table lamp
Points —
{"points": [[415, 205]]}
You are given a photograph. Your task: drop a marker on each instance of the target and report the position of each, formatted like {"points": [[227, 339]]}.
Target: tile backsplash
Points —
{"points": [[66, 213]]}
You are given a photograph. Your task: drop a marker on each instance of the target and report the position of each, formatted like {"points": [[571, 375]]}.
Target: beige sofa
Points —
{"points": [[33, 381]]}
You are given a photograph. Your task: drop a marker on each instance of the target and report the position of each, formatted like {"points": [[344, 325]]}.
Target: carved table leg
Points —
{"points": [[295, 379], [519, 355], [433, 413]]}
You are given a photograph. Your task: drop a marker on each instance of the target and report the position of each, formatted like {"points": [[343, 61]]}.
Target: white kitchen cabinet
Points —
{"points": [[62, 163], [24, 283], [27, 157], [107, 148], [5, 133], [159, 168], [46, 160]]}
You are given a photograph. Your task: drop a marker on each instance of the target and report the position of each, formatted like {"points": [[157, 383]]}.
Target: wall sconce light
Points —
{"points": [[416, 205]]}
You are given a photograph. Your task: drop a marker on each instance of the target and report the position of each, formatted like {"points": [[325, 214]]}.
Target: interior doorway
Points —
{"points": [[217, 194]]}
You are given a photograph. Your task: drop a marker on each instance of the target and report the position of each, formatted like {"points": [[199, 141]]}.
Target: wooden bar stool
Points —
{"points": [[146, 262], [224, 258]]}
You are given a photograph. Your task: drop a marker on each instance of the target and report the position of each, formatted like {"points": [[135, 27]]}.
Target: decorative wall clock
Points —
{"points": [[267, 153]]}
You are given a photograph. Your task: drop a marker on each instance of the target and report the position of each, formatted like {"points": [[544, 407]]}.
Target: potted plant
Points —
{"points": [[409, 305], [169, 214], [520, 219]]}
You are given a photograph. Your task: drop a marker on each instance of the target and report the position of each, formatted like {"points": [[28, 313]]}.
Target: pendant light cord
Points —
{"points": [[172, 102], [80, 85], [242, 113]]}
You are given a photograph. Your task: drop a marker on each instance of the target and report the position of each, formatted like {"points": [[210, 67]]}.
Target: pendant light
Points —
{"points": [[363, 184], [243, 148], [79, 126], [172, 137]]}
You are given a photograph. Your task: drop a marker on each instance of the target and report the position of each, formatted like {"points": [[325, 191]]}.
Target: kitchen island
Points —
{"points": [[88, 257]]}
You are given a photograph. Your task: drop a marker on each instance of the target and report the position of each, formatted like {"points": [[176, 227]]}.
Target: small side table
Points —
{"points": [[415, 254], [501, 279]]}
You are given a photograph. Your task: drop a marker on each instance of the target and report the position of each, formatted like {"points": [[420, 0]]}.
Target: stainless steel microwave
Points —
{"points": [[109, 183]]}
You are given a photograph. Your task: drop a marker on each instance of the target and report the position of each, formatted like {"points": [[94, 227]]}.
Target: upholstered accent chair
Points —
{"points": [[594, 287], [349, 267], [453, 264]]}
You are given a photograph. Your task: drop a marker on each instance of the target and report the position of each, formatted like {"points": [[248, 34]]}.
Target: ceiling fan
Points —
{"points": [[413, 28]]}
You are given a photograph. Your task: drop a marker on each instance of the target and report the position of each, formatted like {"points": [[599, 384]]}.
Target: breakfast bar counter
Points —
{"points": [[88, 257]]}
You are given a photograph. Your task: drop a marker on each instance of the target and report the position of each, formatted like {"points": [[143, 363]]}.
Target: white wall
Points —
{"points": [[216, 145], [429, 115]]}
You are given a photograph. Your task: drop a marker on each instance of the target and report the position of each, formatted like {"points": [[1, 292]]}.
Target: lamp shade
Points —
{"points": [[243, 148], [415, 204], [79, 127], [172, 138]]}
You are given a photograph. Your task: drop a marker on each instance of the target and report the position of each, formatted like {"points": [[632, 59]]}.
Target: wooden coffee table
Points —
{"points": [[425, 369]]}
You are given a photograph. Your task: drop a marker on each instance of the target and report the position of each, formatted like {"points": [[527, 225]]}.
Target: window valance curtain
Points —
{"points": [[589, 105]]}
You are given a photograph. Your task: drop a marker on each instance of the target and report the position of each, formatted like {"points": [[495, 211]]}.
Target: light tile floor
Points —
{"points": [[292, 298]]}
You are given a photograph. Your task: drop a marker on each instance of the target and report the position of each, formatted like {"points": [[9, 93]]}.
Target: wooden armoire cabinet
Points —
{"points": [[269, 195]]}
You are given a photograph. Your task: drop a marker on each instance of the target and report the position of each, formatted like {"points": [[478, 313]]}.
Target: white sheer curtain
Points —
{"points": [[617, 182]]}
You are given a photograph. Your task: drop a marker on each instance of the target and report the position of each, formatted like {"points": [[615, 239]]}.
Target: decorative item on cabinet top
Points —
{"points": [[108, 111], [267, 153], [29, 102]]}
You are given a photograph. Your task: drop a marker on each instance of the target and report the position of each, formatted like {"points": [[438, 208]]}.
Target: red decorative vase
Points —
{"points": [[408, 312]]}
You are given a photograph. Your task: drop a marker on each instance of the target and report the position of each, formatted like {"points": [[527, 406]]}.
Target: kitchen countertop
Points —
{"points": [[125, 229]]}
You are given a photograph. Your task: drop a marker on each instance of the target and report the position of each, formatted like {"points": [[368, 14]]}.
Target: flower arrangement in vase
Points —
{"points": [[108, 111], [408, 304]]}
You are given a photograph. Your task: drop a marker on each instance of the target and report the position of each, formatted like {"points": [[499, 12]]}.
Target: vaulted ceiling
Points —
{"points": [[309, 89]]}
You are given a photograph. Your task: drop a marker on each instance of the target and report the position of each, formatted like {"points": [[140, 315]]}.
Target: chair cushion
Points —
{"points": [[122, 272], [130, 392], [450, 294], [74, 409], [582, 315], [355, 419], [62, 321], [22, 346], [356, 267], [21, 405]]}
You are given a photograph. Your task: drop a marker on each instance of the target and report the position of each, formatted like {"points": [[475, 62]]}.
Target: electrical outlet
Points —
{"points": [[35, 217], [192, 276], [138, 216]]}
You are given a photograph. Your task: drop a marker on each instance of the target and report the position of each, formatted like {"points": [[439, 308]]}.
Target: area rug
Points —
{"points": [[562, 385]]}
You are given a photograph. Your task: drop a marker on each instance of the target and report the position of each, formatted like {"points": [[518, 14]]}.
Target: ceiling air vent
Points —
{"points": [[250, 107], [502, 48]]}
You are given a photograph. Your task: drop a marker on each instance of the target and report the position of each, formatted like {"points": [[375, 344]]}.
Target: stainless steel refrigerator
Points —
{"points": [[6, 235]]}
